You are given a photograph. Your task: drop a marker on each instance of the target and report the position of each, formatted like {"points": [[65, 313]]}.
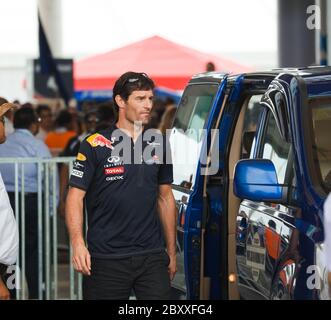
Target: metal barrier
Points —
{"points": [[48, 266]]}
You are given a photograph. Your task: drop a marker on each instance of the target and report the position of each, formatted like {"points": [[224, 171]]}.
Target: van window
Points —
{"points": [[194, 107], [275, 148], [186, 134], [321, 123], [252, 115]]}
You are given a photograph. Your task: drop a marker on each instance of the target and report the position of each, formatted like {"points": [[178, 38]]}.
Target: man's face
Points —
{"points": [[139, 105], [91, 123], [46, 119]]}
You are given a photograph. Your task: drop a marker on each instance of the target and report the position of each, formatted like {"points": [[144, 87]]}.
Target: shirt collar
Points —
{"points": [[24, 131], [115, 127]]}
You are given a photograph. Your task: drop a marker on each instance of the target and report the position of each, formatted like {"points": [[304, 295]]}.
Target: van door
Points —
{"points": [[271, 264], [259, 224], [200, 102]]}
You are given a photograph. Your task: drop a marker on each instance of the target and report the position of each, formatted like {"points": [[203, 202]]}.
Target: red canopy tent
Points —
{"points": [[169, 64]]}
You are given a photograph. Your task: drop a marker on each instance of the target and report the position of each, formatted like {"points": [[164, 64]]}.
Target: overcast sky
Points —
{"points": [[94, 26]]}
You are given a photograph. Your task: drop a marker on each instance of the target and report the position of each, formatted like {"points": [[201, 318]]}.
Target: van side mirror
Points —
{"points": [[256, 180]]}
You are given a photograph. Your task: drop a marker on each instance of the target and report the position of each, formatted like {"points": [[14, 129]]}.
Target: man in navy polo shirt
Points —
{"points": [[124, 174]]}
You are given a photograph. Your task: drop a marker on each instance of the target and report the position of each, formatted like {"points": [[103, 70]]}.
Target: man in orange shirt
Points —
{"points": [[57, 140]]}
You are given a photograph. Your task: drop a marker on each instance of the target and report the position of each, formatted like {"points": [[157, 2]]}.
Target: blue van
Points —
{"points": [[252, 168]]}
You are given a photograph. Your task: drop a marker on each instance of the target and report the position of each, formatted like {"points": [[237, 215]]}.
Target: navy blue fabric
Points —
{"points": [[121, 198]]}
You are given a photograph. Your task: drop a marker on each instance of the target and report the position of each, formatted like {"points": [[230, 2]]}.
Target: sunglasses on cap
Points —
{"points": [[133, 80]]}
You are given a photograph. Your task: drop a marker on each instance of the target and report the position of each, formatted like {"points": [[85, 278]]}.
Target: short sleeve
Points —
{"points": [[83, 167], [166, 168]]}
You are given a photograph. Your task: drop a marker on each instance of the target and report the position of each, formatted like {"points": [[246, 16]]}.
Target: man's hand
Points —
{"points": [[81, 259], [4, 292], [172, 267]]}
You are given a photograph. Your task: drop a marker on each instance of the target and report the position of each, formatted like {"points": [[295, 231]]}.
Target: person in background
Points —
{"points": [[8, 226], [157, 111], [167, 119], [210, 66], [327, 239], [76, 124], [91, 121], [57, 140], [27, 105], [86, 106], [106, 114], [21, 144], [44, 112], [9, 115]]}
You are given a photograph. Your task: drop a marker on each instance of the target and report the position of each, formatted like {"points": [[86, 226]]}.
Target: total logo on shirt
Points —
{"points": [[114, 170]]}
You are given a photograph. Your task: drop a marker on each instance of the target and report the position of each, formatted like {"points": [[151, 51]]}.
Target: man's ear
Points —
{"points": [[120, 102]]}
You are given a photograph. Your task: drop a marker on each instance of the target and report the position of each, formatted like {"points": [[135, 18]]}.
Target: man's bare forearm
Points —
{"points": [[74, 215], [167, 213]]}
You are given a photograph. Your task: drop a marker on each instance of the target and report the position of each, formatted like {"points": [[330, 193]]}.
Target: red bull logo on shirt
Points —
{"points": [[97, 139]]}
